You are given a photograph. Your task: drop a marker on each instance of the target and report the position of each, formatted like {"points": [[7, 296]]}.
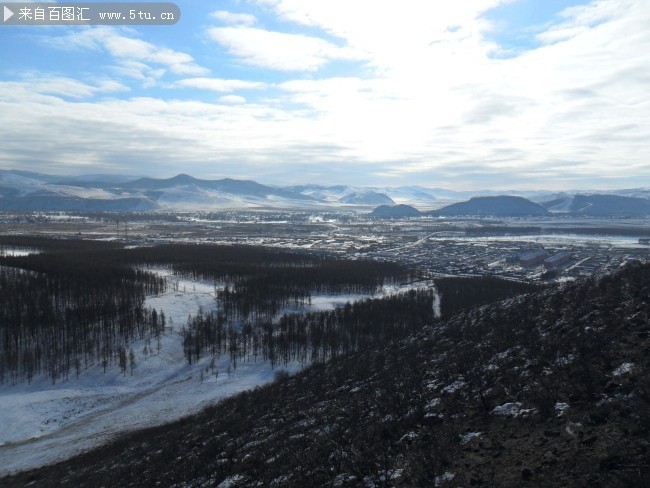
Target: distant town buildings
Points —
{"points": [[557, 260], [533, 258]]}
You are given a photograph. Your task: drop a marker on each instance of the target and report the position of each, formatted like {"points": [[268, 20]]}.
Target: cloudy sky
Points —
{"points": [[469, 94]]}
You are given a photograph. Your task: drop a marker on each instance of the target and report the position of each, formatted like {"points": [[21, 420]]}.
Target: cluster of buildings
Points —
{"points": [[534, 258]]}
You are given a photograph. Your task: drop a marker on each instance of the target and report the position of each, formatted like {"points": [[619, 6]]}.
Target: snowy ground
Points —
{"points": [[555, 239], [42, 423], [17, 251]]}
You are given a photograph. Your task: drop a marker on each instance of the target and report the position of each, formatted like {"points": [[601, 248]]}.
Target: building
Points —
{"points": [[512, 258], [557, 260], [533, 258]]}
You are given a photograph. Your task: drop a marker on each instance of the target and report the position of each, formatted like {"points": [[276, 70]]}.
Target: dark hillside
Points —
{"points": [[394, 212], [462, 293], [499, 206], [547, 389]]}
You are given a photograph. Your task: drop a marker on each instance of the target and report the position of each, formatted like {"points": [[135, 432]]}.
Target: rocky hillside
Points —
{"points": [[546, 389]]}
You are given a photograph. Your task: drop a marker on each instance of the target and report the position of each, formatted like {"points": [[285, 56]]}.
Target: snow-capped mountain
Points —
{"points": [[29, 191], [599, 205]]}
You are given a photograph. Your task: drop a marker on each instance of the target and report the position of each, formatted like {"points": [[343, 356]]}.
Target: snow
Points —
{"points": [[382, 477], [512, 410], [561, 407], [433, 403], [455, 386], [43, 423], [464, 439], [17, 252], [443, 478], [408, 437], [507, 409], [565, 239], [437, 300], [572, 428], [624, 368], [231, 481]]}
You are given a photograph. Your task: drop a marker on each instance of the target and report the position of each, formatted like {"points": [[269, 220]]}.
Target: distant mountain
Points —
{"points": [[27, 191], [367, 198], [561, 203], [394, 211], [67, 204], [185, 192], [226, 185], [599, 205], [499, 206]]}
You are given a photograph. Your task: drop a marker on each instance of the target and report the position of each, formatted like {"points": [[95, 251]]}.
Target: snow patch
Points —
{"points": [[455, 386], [231, 481], [624, 368], [408, 437], [512, 410], [464, 439], [443, 478], [433, 403]]}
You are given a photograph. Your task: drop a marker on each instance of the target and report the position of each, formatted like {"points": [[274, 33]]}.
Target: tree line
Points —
{"points": [[308, 337], [65, 310]]}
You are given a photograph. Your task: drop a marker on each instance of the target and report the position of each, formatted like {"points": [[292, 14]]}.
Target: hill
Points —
{"points": [[56, 203], [498, 206], [546, 389], [599, 205], [367, 198], [610, 205], [394, 211]]}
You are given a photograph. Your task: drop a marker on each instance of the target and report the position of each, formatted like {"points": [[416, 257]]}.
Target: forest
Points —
{"points": [[69, 307], [310, 337], [76, 304]]}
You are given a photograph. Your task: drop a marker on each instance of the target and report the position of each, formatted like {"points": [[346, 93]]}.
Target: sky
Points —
{"points": [[470, 94]]}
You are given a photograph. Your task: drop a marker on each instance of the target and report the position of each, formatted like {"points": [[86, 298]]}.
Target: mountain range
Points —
{"points": [[30, 191], [512, 206]]}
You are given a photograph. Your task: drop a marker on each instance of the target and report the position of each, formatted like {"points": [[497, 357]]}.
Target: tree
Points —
{"points": [[131, 361], [122, 360]]}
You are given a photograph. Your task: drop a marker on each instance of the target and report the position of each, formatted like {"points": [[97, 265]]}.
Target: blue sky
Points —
{"points": [[471, 94]]}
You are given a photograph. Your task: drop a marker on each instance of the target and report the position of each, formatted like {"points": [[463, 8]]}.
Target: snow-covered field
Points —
{"points": [[17, 251], [555, 239], [42, 423]]}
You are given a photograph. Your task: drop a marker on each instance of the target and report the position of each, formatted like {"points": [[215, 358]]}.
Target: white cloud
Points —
{"points": [[128, 49], [441, 100], [234, 18], [67, 87], [431, 104], [278, 50], [581, 18], [219, 84], [148, 75], [232, 100], [390, 34]]}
